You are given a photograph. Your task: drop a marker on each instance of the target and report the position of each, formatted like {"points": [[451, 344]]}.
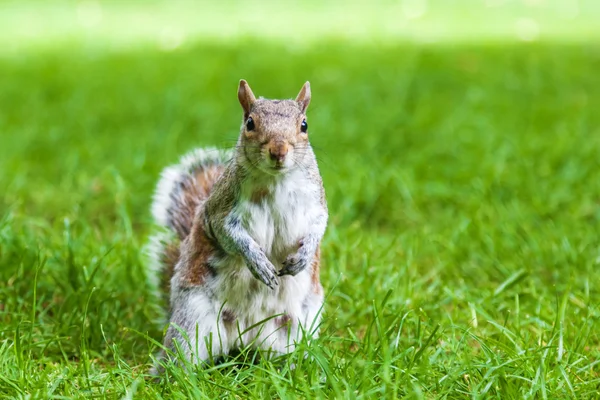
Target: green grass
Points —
{"points": [[463, 252]]}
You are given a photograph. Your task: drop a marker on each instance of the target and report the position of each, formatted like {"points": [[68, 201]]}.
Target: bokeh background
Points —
{"points": [[459, 142]]}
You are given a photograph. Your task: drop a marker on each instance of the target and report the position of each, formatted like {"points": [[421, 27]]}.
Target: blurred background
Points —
{"points": [[458, 140], [171, 25], [130, 84]]}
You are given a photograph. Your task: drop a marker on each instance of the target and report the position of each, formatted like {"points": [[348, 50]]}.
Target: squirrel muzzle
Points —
{"points": [[278, 152]]}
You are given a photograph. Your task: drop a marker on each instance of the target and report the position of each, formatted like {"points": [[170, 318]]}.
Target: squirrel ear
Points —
{"points": [[304, 97], [246, 97]]}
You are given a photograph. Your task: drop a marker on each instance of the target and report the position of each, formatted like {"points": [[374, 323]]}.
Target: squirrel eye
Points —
{"points": [[304, 126], [250, 124]]}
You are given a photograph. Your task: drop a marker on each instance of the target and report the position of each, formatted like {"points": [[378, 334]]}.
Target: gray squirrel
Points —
{"points": [[243, 233]]}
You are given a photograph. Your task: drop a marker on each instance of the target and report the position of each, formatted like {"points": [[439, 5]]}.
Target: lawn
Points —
{"points": [[462, 256]]}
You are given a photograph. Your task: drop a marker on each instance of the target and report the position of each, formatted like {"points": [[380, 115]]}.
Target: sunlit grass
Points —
{"points": [[168, 25]]}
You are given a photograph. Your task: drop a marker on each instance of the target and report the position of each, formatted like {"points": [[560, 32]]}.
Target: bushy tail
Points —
{"points": [[180, 190]]}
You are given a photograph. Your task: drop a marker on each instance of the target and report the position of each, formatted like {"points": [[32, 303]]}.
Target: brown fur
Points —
{"points": [[206, 178], [186, 201], [316, 271], [193, 191], [197, 268], [258, 195], [170, 258], [228, 316], [276, 124], [284, 320]]}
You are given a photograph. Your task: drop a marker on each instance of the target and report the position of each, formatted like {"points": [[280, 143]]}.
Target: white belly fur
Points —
{"points": [[277, 224]]}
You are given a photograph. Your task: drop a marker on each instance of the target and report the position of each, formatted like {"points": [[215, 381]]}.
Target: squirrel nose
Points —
{"points": [[278, 153]]}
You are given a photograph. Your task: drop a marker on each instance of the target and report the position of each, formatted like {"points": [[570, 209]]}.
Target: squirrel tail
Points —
{"points": [[180, 190]]}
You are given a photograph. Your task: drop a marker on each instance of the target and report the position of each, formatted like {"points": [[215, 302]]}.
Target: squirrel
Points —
{"points": [[241, 257]]}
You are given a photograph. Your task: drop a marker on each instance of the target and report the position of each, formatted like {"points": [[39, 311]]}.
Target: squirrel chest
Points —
{"points": [[276, 214]]}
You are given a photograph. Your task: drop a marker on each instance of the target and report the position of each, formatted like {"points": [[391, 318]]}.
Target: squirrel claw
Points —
{"points": [[270, 282], [264, 273], [289, 271], [293, 265]]}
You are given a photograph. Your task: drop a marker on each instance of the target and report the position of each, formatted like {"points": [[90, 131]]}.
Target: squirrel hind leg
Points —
{"points": [[198, 327]]}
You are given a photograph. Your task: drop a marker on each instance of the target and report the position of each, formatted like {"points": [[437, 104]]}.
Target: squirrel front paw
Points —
{"points": [[294, 264], [264, 271]]}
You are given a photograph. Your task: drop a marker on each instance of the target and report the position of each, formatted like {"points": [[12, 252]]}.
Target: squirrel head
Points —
{"points": [[274, 133]]}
